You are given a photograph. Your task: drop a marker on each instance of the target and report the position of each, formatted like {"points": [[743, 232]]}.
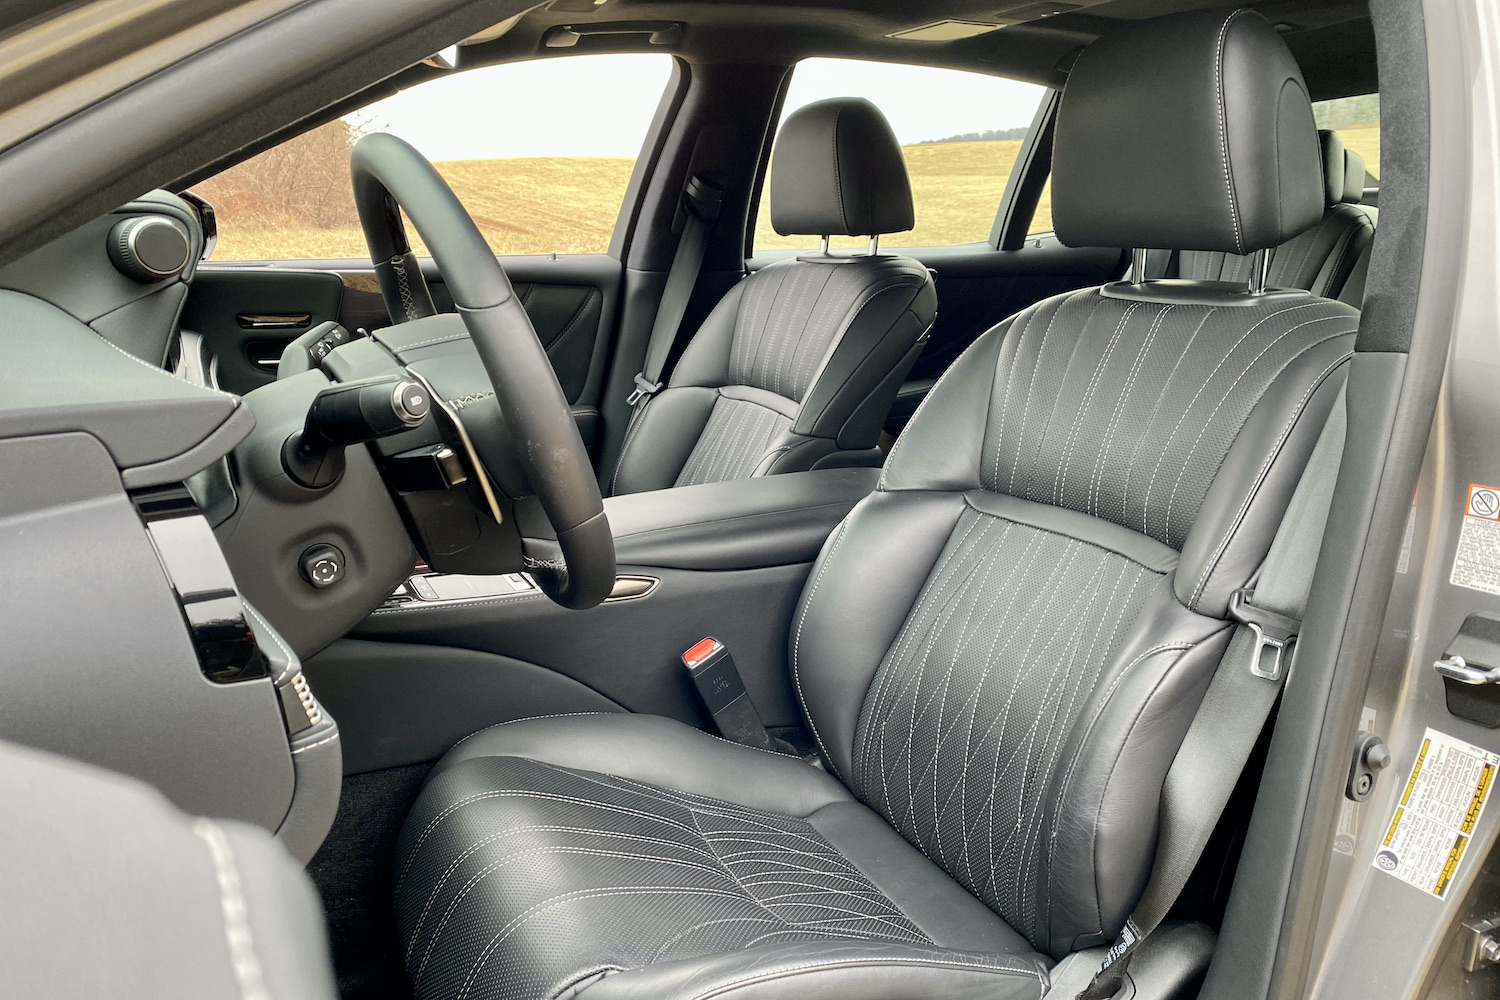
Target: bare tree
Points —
{"points": [[302, 182]]}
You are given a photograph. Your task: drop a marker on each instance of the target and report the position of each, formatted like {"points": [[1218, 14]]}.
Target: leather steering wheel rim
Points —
{"points": [[389, 175]]}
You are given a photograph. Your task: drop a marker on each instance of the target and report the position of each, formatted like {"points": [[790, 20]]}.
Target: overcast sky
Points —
{"points": [[601, 105]]}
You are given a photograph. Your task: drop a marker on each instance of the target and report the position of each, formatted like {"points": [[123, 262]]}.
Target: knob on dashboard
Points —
{"points": [[148, 248]]}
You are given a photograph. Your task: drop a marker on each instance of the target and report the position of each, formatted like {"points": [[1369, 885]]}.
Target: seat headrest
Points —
{"points": [[1333, 165], [1354, 178], [837, 170], [1192, 131], [1343, 170]]}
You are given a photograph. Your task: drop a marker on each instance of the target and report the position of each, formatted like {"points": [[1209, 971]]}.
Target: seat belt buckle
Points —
{"points": [[1274, 633], [723, 692], [643, 387]]}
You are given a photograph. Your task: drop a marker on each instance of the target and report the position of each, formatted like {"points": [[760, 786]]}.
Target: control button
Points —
{"points": [[411, 402], [322, 565]]}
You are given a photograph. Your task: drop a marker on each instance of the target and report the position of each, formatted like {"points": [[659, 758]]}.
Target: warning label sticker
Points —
{"points": [[1476, 564], [1439, 809]]}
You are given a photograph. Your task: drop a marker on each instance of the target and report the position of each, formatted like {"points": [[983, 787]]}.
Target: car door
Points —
{"points": [[978, 150], [545, 178]]}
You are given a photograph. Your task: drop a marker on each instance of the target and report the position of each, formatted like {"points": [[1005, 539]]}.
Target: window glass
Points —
{"points": [[1357, 121], [960, 132], [540, 153]]}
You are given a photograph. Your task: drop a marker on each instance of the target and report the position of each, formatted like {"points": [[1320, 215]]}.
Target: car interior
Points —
{"points": [[708, 613]]}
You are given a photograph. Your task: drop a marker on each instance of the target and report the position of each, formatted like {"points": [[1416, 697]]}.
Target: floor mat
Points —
{"points": [[353, 873]]}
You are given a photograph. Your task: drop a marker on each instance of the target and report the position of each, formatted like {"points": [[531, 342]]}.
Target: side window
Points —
{"points": [[539, 152], [960, 132], [1357, 121]]}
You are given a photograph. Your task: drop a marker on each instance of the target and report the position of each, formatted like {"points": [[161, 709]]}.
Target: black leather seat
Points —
{"points": [[1321, 260], [110, 892], [798, 365], [998, 651]]}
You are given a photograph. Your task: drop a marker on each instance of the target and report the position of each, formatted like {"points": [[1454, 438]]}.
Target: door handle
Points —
{"points": [[1456, 668], [274, 321]]}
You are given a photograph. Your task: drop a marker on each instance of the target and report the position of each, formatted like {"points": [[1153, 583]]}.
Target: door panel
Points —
{"points": [[571, 302], [977, 287], [247, 314]]}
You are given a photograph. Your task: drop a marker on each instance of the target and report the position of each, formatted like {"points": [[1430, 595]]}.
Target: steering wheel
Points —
{"points": [[578, 569]]}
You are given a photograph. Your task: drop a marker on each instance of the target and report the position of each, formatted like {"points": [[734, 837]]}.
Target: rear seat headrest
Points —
{"points": [[1332, 148], [837, 170], [1192, 131], [1354, 178], [1343, 170]]}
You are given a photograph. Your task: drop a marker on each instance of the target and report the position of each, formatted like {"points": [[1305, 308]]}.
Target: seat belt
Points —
{"points": [[1238, 703], [697, 212]]}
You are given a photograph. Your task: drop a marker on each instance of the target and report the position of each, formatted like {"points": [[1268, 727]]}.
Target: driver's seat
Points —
{"points": [[998, 652], [797, 366]]}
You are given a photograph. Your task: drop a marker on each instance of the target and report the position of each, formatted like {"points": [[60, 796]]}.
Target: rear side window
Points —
{"points": [[960, 131], [1357, 121], [539, 152]]}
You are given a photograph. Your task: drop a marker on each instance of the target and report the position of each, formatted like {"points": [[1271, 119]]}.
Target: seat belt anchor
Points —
{"points": [[644, 387], [1274, 633], [701, 197]]}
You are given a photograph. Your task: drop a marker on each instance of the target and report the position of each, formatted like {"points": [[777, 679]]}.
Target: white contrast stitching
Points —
{"points": [[326, 739], [1234, 205], [235, 913], [1260, 477]]}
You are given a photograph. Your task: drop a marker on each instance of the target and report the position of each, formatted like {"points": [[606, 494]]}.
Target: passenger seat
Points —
{"points": [[1321, 260], [798, 364]]}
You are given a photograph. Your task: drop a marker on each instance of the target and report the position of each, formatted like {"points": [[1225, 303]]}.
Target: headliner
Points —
{"points": [[1332, 39]]}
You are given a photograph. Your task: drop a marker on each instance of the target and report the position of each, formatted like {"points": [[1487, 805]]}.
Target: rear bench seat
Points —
{"points": [[1322, 260]]}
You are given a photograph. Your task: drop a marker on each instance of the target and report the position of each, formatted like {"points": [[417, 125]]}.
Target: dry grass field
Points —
{"points": [[568, 204], [530, 205]]}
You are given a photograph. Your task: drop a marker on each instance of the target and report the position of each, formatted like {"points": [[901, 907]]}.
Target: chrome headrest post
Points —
{"points": [[874, 245], [826, 242], [1137, 267], [1260, 271]]}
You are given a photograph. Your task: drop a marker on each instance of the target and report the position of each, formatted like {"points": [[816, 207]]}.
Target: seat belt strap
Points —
{"points": [[1240, 699], [697, 212]]}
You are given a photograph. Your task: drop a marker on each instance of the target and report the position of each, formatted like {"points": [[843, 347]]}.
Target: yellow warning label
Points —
{"points": [[1416, 769], [1395, 822], [1451, 865], [1486, 776], [1439, 810]]}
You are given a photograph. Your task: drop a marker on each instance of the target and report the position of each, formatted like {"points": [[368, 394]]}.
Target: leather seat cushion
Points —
{"points": [[522, 874]]}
